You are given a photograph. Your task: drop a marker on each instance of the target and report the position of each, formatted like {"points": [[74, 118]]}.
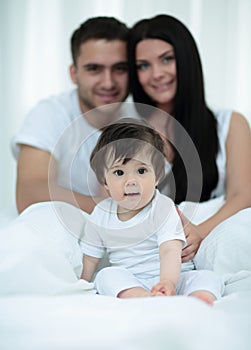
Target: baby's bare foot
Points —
{"points": [[136, 292], [157, 294], [206, 299], [205, 296]]}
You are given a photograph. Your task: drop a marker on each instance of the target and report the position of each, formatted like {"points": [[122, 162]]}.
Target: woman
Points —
{"points": [[166, 73]]}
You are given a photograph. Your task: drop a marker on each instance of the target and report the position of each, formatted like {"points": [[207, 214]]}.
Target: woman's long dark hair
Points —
{"points": [[190, 108]]}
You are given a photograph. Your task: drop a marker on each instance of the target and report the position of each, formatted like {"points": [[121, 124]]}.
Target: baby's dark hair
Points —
{"points": [[123, 140]]}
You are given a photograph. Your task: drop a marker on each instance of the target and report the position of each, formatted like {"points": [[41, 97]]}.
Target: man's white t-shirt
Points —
{"points": [[56, 125]]}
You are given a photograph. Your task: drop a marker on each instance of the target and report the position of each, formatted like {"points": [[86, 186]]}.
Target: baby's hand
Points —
{"points": [[164, 287]]}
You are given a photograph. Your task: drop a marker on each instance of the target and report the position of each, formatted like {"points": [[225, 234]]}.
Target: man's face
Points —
{"points": [[101, 73]]}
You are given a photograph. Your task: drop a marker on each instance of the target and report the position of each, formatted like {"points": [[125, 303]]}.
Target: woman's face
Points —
{"points": [[156, 67]]}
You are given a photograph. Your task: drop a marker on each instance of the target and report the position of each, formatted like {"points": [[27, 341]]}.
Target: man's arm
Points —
{"points": [[37, 182]]}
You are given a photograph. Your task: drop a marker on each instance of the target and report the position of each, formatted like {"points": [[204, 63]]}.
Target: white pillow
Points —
{"points": [[199, 212], [40, 251], [227, 249]]}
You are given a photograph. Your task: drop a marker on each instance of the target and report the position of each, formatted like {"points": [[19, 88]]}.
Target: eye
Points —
{"points": [[142, 66], [118, 172], [121, 68], [142, 171], [93, 68], [168, 58]]}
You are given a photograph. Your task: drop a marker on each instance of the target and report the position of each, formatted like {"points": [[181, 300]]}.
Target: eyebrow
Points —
{"points": [[166, 53], [162, 55], [91, 64], [114, 166]]}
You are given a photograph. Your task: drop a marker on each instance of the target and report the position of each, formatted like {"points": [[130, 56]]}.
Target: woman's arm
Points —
{"points": [[238, 184], [170, 266], [238, 173]]}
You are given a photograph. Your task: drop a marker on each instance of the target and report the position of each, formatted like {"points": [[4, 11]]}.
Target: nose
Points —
{"points": [[108, 81], [131, 181], [157, 71]]}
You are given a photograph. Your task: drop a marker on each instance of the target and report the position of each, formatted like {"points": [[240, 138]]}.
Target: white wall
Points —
{"points": [[35, 54]]}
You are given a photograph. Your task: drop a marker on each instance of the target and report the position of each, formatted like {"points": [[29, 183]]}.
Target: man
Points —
{"points": [[54, 144]]}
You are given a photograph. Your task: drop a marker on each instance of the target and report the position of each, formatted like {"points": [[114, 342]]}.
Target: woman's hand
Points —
{"points": [[193, 238]]}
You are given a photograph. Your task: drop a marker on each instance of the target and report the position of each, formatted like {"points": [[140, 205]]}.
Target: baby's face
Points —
{"points": [[131, 185]]}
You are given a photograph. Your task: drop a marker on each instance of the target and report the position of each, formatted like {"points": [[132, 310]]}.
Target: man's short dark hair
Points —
{"points": [[108, 28]]}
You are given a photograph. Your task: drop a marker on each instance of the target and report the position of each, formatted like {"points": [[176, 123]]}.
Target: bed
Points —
{"points": [[44, 305]]}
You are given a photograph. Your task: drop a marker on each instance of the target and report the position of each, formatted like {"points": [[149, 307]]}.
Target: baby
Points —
{"points": [[137, 225]]}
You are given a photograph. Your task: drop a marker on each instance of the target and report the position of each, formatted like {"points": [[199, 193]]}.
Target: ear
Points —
{"points": [[73, 73], [103, 192], [107, 189]]}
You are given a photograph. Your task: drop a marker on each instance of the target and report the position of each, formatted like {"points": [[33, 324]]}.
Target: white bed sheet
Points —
{"points": [[77, 322]]}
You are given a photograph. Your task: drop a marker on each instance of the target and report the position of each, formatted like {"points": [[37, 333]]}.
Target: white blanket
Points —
{"points": [[44, 305], [93, 322], [227, 249]]}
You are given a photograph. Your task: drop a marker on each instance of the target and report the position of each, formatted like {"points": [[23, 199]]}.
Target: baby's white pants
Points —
{"points": [[113, 280]]}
